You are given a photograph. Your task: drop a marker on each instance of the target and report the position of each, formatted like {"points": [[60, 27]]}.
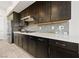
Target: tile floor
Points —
{"points": [[12, 51]]}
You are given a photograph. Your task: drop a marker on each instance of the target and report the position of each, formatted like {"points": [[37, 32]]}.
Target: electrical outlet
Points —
{"points": [[61, 27]]}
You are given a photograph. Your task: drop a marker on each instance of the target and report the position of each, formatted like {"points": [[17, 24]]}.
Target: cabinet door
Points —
{"points": [[60, 10], [25, 42], [41, 48], [34, 12], [20, 39], [58, 49], [66, 10], [16, 39], [44, 11], [32, 45], [23, 14], [57, 52]]}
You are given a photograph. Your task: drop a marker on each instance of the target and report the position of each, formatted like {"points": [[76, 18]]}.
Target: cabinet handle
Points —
{"points": [[31, 37], [60, 44], [40, 39]]}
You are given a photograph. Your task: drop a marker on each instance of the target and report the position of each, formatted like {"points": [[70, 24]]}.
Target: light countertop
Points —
{"points": [[51, 36]]}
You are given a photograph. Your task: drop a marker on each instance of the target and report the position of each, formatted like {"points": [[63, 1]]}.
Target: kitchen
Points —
{"points": [[44, 28]]}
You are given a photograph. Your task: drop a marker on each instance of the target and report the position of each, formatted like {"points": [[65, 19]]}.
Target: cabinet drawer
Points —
{"points": [[67, 45]]}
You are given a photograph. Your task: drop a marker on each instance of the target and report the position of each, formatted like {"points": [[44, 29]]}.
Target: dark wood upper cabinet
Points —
{"points": [[33, 9], [14, 17], [60, 10], [48, 11], [23, 13], [44, 11]]}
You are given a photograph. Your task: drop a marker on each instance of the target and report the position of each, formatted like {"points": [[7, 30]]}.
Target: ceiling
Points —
{"points": [[22, 5], [5, 4], [10, 6]]}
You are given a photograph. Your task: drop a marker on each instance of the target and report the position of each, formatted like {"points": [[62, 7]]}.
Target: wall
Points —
{"points": [[3, 25], [74, 22], [51, 28]]}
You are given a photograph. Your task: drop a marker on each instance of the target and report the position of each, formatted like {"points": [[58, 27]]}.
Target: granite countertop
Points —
{"points": [[51, 36]]}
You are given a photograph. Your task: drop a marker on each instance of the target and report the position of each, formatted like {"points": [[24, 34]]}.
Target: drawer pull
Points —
{"points": [[61, 44], [31, 37], [40, 39]]}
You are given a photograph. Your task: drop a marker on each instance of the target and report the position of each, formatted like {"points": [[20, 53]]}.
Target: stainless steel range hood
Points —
{"points": [[27, 18]]}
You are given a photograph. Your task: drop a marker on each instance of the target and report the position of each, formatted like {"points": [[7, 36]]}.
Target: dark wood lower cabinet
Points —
{"points": [[25, 42], [46, 48], [42, 48], [16, 39], [20, 39], [32, 45], [59, 49], [58, 52]]}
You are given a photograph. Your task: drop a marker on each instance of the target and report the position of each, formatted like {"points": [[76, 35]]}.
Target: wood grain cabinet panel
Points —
{"points": [[59, 52], [32, 45], [20, 39], [34, 12], [25, 42], [48, 11], [41, 48], [16, 39], [59, 49], [46, 48], [44, 12], [60, 10]]}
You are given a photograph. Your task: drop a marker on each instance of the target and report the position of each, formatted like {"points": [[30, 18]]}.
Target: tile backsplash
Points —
{"points": [[58, 28]]}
